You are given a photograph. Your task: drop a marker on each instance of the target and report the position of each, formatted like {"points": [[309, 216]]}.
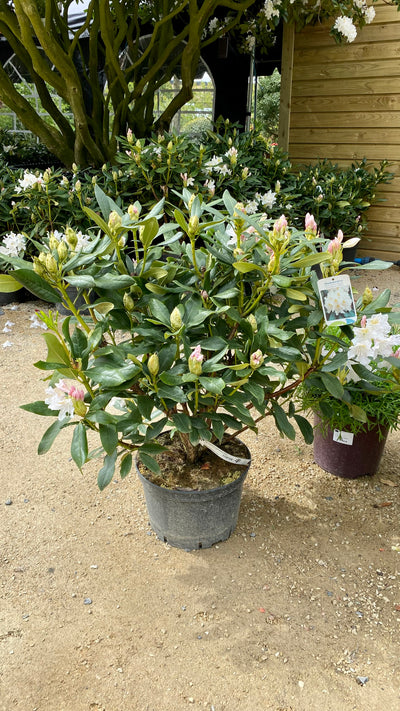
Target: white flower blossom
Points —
{"points": [[13, 245], [29, 180], [346, 27], [58, 400], [7, 344], [268, 199], [251, 207], [369, 14], [271, 9]]}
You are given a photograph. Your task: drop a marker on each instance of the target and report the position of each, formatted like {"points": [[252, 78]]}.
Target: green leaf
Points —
{"points": [[171, 393], [245, 267], [358, 413], [106, 473], [305, 428], [8, 284], [160, 312], [296, 294], [50, 435], [149, 231], [179, 218], [310, 260], [81, 281], [110, 375], [79, 445], [212, 385], [105, 203], [114, 281], [38, 408], [36, 285], [333, 385], [282, 421], [315, 317], [149, 462], [214, 343], [218, 429], [126, 465], [109, 438], [227, 294], [145, 405], [182, 422]]}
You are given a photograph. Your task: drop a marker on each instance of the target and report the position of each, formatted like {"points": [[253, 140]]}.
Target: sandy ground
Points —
{"points": [[96, 614]]}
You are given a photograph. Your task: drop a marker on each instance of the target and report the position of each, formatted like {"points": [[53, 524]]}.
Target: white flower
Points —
{"points": [[369, 14], [223, 169], [345, 26], [13, 245], [213, 25], [271, 9], [213, 163], [251, 207], [58, 400], [268, 199], [7, 344], [29, 181]]}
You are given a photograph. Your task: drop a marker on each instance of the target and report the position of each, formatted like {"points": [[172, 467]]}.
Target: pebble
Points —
{"points": [[362, 680], [8, 502], [87, 601]]}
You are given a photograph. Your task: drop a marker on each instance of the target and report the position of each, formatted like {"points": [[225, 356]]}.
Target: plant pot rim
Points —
{"points": [[190, 492]]}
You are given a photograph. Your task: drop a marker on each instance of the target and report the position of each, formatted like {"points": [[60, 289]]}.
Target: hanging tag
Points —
{"points": [[224, 455], [337, 300], [343, 437]]}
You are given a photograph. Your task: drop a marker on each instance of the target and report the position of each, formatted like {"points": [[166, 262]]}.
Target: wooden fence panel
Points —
{"points": [[344, 105]]}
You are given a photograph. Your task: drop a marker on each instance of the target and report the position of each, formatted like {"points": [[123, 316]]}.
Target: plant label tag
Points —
{"points": [[343, 437], [224, 455], [337, 300]]}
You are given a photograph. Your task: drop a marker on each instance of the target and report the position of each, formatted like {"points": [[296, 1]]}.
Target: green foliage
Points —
{"points": [[267, 105], [200, 328]]}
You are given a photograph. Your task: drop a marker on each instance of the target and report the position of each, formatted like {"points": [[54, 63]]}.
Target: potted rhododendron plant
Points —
{"points": [[192, 331], [354, 392]]}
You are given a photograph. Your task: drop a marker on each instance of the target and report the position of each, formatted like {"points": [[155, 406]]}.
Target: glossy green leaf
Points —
{"points": [[50, 435], [106, 472], [126, 465], [108, 437], [79, 445]]}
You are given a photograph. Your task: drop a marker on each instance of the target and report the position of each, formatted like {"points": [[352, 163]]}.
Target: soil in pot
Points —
{"points": [[208, 472]]}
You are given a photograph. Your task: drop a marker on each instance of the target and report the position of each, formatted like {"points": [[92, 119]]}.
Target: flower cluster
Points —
{"points": [[13, 245], [373, 342]]}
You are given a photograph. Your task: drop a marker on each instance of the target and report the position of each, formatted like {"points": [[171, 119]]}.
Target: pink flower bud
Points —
{"points": [[363, 322], [195, 361], [281, 224], [310, 223]]}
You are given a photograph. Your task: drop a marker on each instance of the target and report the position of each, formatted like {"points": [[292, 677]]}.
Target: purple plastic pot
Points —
{"points": [[349, 461]]}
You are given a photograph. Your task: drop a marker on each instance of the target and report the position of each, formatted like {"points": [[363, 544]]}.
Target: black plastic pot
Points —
{"points": [[193, 519], [349, 461], [18, 297]]}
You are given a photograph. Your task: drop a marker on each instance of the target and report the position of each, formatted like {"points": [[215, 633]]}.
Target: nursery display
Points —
{"points": [[197, 326]]}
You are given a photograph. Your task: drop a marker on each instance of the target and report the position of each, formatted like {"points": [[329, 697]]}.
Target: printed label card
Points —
{"points": [[337, 300]]}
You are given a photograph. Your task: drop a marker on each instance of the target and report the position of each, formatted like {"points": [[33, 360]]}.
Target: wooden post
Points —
{"points": [[286, 85]]}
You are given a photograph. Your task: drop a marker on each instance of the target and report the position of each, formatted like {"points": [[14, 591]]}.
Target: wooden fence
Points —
{"points": [[342, 102]]}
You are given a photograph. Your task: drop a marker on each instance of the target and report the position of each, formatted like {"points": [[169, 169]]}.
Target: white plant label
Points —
{"points": [[224, 455], [343, 437], [337, 300]]}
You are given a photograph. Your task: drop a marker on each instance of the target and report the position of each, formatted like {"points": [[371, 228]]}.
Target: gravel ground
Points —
{"points": [[298, 611]]}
